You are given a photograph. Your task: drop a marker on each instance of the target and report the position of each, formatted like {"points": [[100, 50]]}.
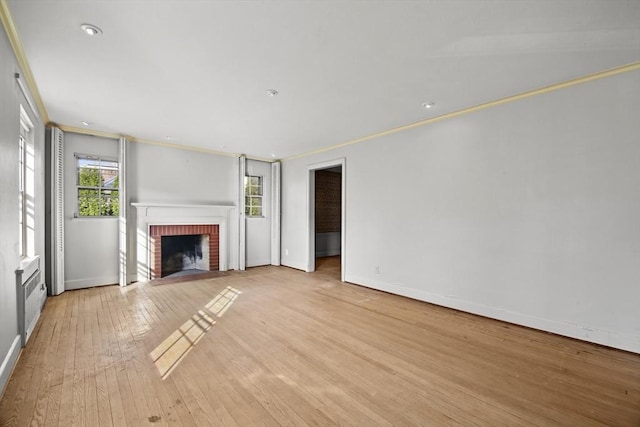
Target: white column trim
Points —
{"points": [[242, 222], [275, 213], [123, 240]]}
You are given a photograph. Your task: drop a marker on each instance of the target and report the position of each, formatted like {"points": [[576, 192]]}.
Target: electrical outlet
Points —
{"points": [[377, 269], [286, 252]]}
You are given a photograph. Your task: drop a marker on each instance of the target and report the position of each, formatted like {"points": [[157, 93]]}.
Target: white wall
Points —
{"points": [[10, 100], [90, 244], [258, 234], [527, 212], [169, 175]]}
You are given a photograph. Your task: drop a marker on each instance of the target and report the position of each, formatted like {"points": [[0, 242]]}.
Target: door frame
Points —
{"points": [[311, 213]]}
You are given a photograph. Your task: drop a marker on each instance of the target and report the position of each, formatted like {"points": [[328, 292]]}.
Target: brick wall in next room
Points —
{"points": [[328, 197]]}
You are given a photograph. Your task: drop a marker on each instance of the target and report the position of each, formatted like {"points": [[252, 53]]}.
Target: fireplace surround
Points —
{"points": [[153, 219]]}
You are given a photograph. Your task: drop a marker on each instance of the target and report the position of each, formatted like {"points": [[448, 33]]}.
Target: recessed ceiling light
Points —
{"points": [[90, 29], [85, 123], [428, 105], [272, 92], [168, 138], [273, 155]]}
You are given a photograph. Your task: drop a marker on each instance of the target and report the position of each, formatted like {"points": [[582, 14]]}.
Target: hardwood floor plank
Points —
{"points": [[32, 380], [100, 361], [47, 366], [58, 310], [65, 414], [275, 346]]}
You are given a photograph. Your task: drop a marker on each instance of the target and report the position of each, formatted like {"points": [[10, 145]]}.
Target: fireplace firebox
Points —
{"points": [[189, 252], [175, 248]]}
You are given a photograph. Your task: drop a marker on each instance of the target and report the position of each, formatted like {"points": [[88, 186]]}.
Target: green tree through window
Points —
{"points": [[97, 187]]}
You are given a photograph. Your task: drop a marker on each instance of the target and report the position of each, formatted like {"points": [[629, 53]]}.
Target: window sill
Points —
{"points": [[76, 216], [28, 265]]}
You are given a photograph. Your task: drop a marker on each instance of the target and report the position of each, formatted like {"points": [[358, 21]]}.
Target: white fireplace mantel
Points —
{"points": [[182, 205], [151, 213]]}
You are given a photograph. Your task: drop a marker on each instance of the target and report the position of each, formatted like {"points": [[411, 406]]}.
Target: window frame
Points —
{"points": [[248, 196], [22, 188], [100, 188], [26, 184]]}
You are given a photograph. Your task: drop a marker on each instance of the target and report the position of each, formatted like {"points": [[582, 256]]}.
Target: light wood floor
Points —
{"points": [[275, 346]]}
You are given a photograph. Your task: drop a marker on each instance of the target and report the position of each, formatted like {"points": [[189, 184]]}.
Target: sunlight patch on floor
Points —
{"points": [[170, 352], [221, 302]]}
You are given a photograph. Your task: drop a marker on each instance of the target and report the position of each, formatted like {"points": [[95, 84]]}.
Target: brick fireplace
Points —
{"points": [[155, 219], [156, 232]]}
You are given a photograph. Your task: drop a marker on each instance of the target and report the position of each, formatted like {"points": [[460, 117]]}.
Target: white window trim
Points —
{"points": [[77, 156], [26, 183]]}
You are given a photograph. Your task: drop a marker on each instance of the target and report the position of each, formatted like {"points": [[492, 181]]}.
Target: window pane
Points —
{"points": [[256, 211], [86, 192], [109, 173], [110, 195], [22, 165], [108, 207], [109, 165], [89, 177], [109, 181], [256, 201], [89, 205], [21, 222], [255, 181], [88, 162]]}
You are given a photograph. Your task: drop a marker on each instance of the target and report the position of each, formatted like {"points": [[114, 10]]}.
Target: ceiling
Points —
{"points": [[195, 73]]}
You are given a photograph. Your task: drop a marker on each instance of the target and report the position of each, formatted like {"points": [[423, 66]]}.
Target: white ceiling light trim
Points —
{"points": [[91, 30]]}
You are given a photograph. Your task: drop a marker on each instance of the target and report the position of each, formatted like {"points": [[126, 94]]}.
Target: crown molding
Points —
{"points": [[546, 89], [85, 131], [12, 33], [182, 147], [111, 135]]}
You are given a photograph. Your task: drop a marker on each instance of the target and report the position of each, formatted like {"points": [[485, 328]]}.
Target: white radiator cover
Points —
{"points": [[31, 294]]}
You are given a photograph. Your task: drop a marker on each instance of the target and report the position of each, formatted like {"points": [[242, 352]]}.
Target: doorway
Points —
{"points": [[327, 218]]}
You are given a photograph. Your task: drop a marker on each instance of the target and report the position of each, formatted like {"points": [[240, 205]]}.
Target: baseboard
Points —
{"points": [[293, 267], [90, 282], [259, 263], [321, 254], [8, 363], [617, 340]]}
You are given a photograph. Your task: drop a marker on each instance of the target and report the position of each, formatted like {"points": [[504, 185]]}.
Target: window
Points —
{"points": [[26, 187], [22, 196], [97, 186], [253, 195]]}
